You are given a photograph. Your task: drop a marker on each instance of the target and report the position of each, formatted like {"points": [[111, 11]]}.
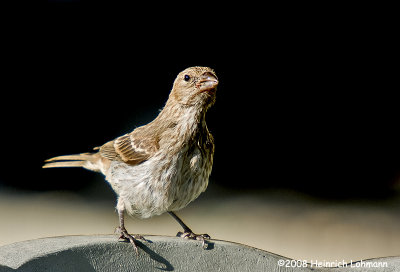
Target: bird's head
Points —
{"points": [[195, 86]]}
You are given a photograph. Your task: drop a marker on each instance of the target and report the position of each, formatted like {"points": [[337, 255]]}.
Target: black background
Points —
{"points": [[307, 99]]}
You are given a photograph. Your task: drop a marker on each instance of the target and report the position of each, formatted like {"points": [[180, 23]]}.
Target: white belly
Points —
{"points": [[161, 183]]}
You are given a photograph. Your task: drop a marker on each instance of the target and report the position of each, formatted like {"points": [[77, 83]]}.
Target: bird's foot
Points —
{"points": [[129, 237], [194, 236]]}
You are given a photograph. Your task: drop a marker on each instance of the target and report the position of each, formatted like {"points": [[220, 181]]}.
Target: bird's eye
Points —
{"points": [[187, 78]]}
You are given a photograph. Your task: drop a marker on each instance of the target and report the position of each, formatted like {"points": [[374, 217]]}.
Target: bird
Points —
{"points": [[164, 165]]}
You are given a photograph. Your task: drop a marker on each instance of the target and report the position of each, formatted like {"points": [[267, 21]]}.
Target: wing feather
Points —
{"points": [[130, 149]]}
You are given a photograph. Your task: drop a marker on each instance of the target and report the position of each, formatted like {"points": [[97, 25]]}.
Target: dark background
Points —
{"points": [[306, 101]]}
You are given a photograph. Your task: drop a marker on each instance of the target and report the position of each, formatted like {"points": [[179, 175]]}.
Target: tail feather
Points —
{"points": [[75, 157], [84, 160], [64, 164]]}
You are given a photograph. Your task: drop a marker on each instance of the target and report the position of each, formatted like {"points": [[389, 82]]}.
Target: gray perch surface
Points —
{"points": [[159, 253]]}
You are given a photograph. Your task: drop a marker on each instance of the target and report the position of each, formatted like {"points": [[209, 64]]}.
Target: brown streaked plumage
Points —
{"points": [[164, 165]]}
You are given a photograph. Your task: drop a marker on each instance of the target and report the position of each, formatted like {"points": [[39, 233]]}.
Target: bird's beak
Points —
{"points": [[207, 82]]}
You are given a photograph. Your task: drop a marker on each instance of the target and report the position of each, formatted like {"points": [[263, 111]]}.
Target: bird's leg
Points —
{"points": [[124, 233], [187, 232]]}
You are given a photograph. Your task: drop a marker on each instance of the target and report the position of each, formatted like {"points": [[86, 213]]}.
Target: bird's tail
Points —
{"points": [[85, 160]]}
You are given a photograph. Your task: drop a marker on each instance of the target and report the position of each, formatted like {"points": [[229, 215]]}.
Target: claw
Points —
{"points": [[131, 238], [193, 236]]}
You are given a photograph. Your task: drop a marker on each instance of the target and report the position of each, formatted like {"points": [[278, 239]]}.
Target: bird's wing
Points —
{"points": [[130, 149]]}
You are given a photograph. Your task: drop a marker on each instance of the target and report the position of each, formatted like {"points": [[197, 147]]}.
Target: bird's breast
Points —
{"points": [[168, 181], [193, 170]]}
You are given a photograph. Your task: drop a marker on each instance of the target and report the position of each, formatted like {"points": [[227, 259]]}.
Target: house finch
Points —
{"points": [[164, 165]]}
